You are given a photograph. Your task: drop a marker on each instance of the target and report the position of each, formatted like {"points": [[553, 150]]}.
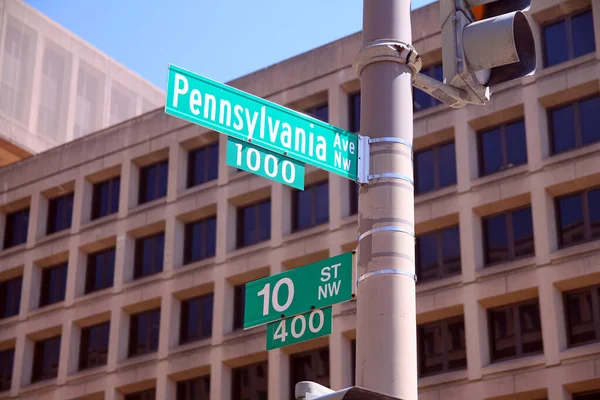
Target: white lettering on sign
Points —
{"points": [[273, 300], [330, 288]]}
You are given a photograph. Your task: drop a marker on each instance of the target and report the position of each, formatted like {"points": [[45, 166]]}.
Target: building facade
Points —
{"points": [[124, 253], [56, 87]]}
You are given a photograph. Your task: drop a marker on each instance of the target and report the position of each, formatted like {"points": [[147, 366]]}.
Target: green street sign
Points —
{"points": [[299, 328], [267, 164], [246, 117], [299, 290]]}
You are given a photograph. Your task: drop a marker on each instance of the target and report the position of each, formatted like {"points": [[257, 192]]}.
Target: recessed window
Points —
{"points": [[254, 223], [515, 330], [46, 355], [310, 207], [438, 254], [200, 240], [353, 360], [435, 168], [148, 394], [203, 165], [312, 366], [422, 100], [54, 284], [442, 346], [60, 213], [502, 147], [153, 181], [569, 38], [508, 236], [355, 112], [10, 297], [578, 217], [582, 310], [100, 272], [239, 302], [149, 255], [144, 330], [320, 112], [15, 231], [7, 360], [593, 395], [353, 197], [575, 125], [105, 198], [93, 348], [196, 318], [250, 382], [194, 389]]}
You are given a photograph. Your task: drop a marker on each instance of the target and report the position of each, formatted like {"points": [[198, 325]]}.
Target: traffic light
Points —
{"points": [[485, 42]]}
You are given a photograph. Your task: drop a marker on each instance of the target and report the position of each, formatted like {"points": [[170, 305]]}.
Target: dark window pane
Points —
{"points": [[555, 43], [194, 389], [563, 129], [319, 112], [353, 197], [54, 282], [153, 181], [441, 346], [503, 334], [516, 144], [105, 198], [311, 206], [594, 211], [594, 395], [60, 212], [309, 366], [196, 318], [531, 328], [45, 359], [10, 297], [451, 250], [254, 223], [200, 240], [144, 332], [456, 345], [522, 225], [355, 112], [496, 239], [250, 382], [491, 151], [589, 118], [239, 302], [571, 219], [148, 394], [582, 26], [322, 203], [427, 254], [149, 255], [421, 100], [16, 228], [93, 349], [7, 360], [203, 165], [447, 164], [425, 172], [100, 270], [580, 318], [432, 358], [303, 209]]}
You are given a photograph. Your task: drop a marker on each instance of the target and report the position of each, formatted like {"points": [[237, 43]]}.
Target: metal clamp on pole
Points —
{"points": [[389, 228], [386, 272], [391, 175], [391, 140], [388, 50]]}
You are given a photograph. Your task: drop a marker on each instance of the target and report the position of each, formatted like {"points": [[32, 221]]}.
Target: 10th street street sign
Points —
{"points": [[299, 290], [263, 123]]}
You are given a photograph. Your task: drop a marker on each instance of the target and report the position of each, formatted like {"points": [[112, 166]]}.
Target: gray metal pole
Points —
{"points": [[386, 312]]}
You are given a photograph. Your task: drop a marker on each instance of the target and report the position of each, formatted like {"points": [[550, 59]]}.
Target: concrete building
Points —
{"points": [[124, 253], [55, 87]]}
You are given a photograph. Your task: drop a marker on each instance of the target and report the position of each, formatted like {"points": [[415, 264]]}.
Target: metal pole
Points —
{"points": [[386, 312]]}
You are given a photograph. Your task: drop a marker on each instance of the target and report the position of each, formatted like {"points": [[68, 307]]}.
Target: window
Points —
{"points": [[422, 100], [143, 332], [105, 199], [254, 223], [594, 395], [435, 168], [250, 382], [502, 147], [438, 254], [194, 389], [353, 361], [149, 255], [7, 360], [442, 347], [93, 349], [508, 236], [239, 302], [46, 354], [153, 181], [311, 365], [100, 270], [353, 197], [515, 330], [196, 318], [583, 315], [200, 240], [568, 38], [148, 394], [60, 213], [10, 297], [319, 112], [54, 284], [310, 206], [575, 125], [355, 112], [15, 231], [203, 165], [578, 217]]}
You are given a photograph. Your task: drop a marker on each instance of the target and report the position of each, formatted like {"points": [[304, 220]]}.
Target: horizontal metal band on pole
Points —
{"points": [[391, 175], [388, 50], [391, 140], [386, 272], [390, 228]]}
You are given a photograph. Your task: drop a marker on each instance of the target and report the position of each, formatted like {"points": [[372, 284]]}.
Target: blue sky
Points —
{"points": [[221, 39]]}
